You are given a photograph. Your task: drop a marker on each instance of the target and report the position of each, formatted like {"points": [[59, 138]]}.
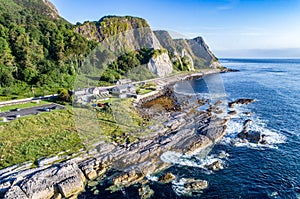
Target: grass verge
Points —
{"points": [[24, 105]]}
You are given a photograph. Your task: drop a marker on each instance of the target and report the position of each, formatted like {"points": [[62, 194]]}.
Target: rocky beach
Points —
{"points": [[186, 130]]}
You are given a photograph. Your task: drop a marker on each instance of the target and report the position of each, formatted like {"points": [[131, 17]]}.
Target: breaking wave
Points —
{"points": [[235, 125], [180, 189], [193, 161]]}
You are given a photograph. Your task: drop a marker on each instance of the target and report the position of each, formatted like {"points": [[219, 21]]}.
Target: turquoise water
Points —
{"points": [[250, 170]]}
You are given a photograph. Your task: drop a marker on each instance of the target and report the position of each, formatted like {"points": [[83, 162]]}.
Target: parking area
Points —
{"points": [[16, 113]]}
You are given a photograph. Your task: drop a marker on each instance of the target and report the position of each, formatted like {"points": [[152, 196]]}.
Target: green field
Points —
{"points": [[47, 134], [20, 106], [32, 137]]}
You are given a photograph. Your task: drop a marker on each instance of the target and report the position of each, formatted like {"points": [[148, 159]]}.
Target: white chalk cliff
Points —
{"points": [[160, 65]]}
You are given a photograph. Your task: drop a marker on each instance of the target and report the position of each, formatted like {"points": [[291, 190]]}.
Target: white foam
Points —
{"points": [[152, 178], [192, 161], [235, 125], [179, 189]]}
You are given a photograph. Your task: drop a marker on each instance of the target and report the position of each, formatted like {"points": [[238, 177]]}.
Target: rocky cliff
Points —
{"points": [[161, 65], [132, 33], [109, 26], [43, 7], [194, 49]]}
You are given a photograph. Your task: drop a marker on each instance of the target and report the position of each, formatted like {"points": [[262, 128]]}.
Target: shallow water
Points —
{"points": [[250, 170]]}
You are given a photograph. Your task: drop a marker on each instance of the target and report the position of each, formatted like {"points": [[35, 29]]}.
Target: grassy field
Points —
{"points": [[25, 105], [47, 134], [118, 124], [32, 137]]}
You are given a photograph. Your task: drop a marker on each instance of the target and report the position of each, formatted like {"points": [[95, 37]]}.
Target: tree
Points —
{"points": [[64, 94]]}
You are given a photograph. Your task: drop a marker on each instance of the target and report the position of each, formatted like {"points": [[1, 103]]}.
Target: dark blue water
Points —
{"points": [[250, 170], [254, 171]]}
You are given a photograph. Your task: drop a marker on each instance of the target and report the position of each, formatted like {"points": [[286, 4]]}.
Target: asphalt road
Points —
{"points": [[13, 114]]}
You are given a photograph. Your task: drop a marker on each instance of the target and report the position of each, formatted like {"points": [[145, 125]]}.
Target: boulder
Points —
{"points": [[71, 186], [41, 184], [195, 185], [145, 192], [255, 137], [128, 178], [216, 165], [251, 136], [167, 178], [244, 133], [232, 112], [15, 192], [90, 174], [240, 101]]}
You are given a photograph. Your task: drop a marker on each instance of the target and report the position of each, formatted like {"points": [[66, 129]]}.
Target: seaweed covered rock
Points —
{"points": [[167, 178]]}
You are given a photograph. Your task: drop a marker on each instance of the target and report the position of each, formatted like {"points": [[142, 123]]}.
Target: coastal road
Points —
{"points": [[13, 114]]}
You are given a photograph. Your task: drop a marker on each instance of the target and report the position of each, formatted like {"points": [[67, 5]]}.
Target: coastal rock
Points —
{"points": [[251, 136], [92, 168], [226, 70], [15, 192], [240, 101], [216, 165], [145, 192], [71, 186], [167, 178], [245, 132], [232, 112], [41, 184], [128, 178], [255, 137], [195, 185], [57, 196]]}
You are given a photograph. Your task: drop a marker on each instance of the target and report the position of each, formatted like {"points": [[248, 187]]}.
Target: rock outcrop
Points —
{"points": [[65, 179], [195, 130], [196, 50], [109, 26], [216, 165], [145, 192], [132, 33], [251, 136], [240, 101], [195, 185], [167, 178], [160, 65]]}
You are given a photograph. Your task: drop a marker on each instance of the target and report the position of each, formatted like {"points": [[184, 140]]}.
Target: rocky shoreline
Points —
{"points": [[185, 130]]}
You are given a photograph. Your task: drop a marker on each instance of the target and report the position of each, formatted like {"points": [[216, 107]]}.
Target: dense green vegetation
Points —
{"points": [[109, 26], [131, 66], [41, 53], [38, 53]]}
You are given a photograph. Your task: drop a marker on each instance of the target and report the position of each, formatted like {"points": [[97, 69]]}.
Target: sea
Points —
{"points": [[250, 170]]}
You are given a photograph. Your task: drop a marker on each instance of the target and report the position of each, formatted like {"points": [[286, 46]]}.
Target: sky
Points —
{"points": [[231, 28]]}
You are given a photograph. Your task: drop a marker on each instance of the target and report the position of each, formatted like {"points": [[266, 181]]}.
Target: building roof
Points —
{"points": [[124, 81]]}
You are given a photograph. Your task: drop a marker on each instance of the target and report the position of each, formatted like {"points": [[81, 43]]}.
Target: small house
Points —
{"points": [[123, 90], [123, 81]]}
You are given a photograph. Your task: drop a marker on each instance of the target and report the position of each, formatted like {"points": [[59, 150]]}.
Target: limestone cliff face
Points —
{"points": [[161, 65], [53, 12], [201, 49], [196, 50], [120, 34]]}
